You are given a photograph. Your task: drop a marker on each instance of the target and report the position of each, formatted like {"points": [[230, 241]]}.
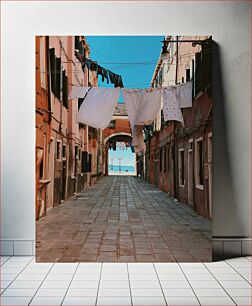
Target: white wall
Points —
{"points": [[227, 22]]}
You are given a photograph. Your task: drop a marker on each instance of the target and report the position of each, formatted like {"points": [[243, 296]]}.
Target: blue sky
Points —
{"points": [[134, 58]]}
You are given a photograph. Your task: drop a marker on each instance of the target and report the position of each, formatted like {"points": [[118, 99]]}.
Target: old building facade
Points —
{"points": [[68, 154], [179, 159]]}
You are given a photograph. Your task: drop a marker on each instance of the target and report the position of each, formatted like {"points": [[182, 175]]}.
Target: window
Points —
{"points": [[181, 167], [76, 152], [165, 159], [199, 170], [188, 75], [168, 157], [58, 150], [161, 160], [203, 67], [64, 151], [80, 100], [65, 89], [55, 69], [41, 169], [84, 162]]}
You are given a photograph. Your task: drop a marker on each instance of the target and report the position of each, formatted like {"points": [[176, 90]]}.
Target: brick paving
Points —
{"points": [[123, 219]]}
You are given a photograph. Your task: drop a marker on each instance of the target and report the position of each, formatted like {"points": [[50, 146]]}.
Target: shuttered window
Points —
{"points": [[65, 89], [203, 68]]}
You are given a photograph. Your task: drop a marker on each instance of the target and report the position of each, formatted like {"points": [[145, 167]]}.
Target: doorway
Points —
{"points": [[190, 172]]}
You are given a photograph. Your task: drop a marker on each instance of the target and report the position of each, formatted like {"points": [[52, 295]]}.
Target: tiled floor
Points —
{"points": [[123, 219], [25, 282]]}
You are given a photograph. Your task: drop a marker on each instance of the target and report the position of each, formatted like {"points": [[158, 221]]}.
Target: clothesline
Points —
{"points": [[143, 106]]}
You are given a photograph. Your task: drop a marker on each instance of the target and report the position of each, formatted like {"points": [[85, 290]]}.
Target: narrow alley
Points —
{"points": [[123, 219]]}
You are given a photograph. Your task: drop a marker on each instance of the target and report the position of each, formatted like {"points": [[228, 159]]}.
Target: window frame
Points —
{"points": [[58, 141], [196, 168], [181, 167]]}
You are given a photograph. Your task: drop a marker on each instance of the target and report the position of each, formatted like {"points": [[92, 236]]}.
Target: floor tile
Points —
{"points": [[85, 284], [5, 283], [172, 276], [79, 301], [114, 292], [204, 284], [220, 300], [175, 300], [146, 292], [24, 284], [144, 284], [239, 291], [114, 284], [36, 270], [114, 301], [234, 284], [209, 292], [8, 276], [195, 270], [59, 276], [19, 292], [143, 300], [113, 277], [30, 276], [9, 270], [47, 300], [143, 277], [14, 264], [51, 292], [220, 270], [228, 276], [82, 292], [55, 284], [15, 300], [178, 292], [243, 300], [174, 284], [201, 276]]}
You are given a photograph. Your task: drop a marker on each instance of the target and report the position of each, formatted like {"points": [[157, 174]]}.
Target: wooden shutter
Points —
{"points": [[65, 89]]}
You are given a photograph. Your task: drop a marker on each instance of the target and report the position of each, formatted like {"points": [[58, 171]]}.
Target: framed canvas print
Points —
{"points": [[123, 148]]}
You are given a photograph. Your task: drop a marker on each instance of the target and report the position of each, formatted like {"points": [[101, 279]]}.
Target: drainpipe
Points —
{"points": [[174, 129], [48, 66]]}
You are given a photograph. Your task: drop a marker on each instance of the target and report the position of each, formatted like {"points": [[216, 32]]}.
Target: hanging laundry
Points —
{"points": [[132, 99], [123, 146], [78, 92], [184, 94], [115, 79], [171, 108], [118, 145], [149, 107], [98, 107], [103, 72], [143, 106]]}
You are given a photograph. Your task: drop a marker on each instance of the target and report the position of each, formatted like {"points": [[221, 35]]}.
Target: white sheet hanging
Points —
{"points": [[171, 108], [98, 107], [132, 99], [184, 94], [143, 106], [78, 92], [149, 107]]}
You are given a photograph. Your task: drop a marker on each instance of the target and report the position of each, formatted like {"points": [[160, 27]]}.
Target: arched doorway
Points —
{"points": [[120, 156]]}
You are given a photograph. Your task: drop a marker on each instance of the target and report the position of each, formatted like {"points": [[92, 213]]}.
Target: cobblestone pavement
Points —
{"points": [[123, 219]]}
